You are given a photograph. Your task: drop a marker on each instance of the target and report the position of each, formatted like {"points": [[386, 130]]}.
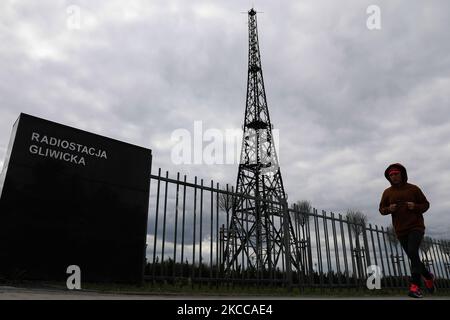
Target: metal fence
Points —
{"points": [[188, 238]]}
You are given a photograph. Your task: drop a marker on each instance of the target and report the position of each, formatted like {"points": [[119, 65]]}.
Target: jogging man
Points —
{"points": [[406, 203]]}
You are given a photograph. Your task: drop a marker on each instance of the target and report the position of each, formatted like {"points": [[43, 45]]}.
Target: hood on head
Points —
{"points": [[402, 170]]}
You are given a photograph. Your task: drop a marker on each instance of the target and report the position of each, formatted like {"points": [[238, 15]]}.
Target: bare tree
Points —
{"points": [[226, 202], [357, 220], [300, 215], [445, 247], [426, 244], [392, 237], [302, 208]]}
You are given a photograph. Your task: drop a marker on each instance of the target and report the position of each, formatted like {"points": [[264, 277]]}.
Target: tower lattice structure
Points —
{"points": [[260, 233]]}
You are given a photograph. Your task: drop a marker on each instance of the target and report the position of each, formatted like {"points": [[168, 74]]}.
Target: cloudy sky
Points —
{"points": [[347, 101]]}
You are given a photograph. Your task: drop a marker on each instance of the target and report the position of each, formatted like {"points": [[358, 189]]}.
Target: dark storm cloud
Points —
{"points": [[347, 101]]}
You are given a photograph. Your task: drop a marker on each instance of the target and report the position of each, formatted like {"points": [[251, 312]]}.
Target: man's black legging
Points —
{"points": [[411, 244]]}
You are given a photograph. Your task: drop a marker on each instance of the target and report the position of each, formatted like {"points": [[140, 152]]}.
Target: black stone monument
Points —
{"points": [[70, 197]]}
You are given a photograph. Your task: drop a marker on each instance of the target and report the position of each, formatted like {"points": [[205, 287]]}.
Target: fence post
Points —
{"points": [[287, 245], [366, 247]]}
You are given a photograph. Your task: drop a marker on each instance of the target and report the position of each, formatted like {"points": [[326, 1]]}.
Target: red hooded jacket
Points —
{"points": [[404, 220]]}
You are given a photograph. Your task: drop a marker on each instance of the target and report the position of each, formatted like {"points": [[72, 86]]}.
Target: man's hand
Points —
{"points": [[393, 207], [411, 205]]}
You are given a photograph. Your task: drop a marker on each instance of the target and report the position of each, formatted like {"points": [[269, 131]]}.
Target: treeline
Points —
{"points": [[185, 273]]}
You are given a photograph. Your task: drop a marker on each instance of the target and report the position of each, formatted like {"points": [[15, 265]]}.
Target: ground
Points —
{"points": [[55, 293]]}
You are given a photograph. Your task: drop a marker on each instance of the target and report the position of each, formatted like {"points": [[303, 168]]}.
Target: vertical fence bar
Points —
{"points": [[274, 253], [298, 249], [344, 250], [282, 247], [447, 254], [358, 252], [287, 244], [319, 250], [296, 230], [441, 265], [147, 263], [269, 246], [367, 250], [440, 261], [183, 226], [373, 245], [301, 248], [304, 247], [352, 253], [402, 282], [200, 252], [245, 246], [309, 249], [316, 274], [427, 259], [384, 280], [211, 236], [217, 236], [233, 240], [235, 249], [391, 281], [443, 258], [405, 277], [240, 244], [397, 285], [399, 269], [435, 263], [445, 266], [248, 250], [222, 252], [156, 226], [163, 269], [195, 228], [244, 240], [336, 249], [227, 231], [394, 266], [446, 245], [267, 241], [443, 249], [327, 246], [176, 228], [307, 244]]}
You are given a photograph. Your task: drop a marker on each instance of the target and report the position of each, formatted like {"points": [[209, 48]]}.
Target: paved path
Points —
{"points": [[14, 293]]}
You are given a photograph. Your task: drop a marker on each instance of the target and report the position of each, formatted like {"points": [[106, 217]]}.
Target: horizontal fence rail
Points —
{"points": [[189, 242]]}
